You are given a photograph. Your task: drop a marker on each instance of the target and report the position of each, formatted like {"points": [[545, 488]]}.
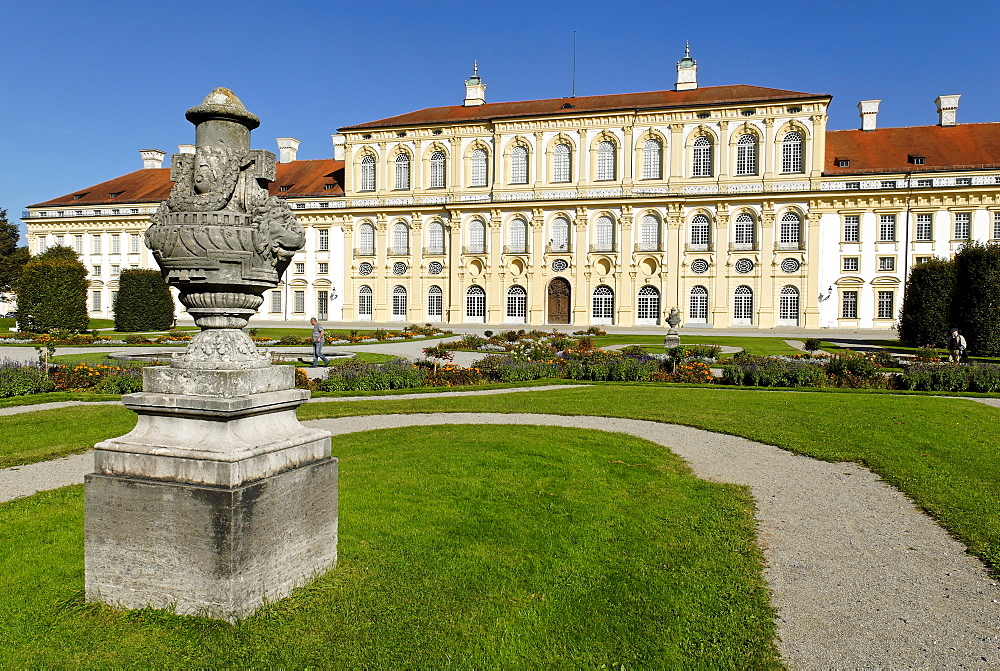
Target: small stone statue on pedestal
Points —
{"points": [[219, 500], [672, 339]]}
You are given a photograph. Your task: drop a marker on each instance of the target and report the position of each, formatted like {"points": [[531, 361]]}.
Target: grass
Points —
{"points": [[763, 346], [278, 332], [522, 547], [47, 434]]}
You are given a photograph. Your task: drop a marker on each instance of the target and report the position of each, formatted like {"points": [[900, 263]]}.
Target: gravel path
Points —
{"points": [[859, 576]]}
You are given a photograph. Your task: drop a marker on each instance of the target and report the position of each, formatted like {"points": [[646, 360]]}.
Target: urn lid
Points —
{"points": [[222, 103]]}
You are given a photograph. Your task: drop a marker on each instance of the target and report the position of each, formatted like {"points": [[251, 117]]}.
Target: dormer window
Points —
{"points": [[284, 188], [115, 194], [915, 160], [78, 196], [843, 163], [329, 187]]}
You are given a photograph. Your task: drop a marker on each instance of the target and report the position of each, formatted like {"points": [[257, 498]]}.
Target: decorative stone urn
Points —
{"points": [[219, 500], [672, 339]]}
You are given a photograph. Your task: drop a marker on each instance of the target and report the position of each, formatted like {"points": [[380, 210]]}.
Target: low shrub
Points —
{"points": [[812, 344], [375, 377], [694, 351], [688, 372], [934, 377], [102, 378], [855, 371], [501, 368], [758, 371], [17, 379], [451, 375], [983, 377]]}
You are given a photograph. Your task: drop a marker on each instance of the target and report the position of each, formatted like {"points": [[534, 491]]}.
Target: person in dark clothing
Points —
{"points": [[956, 346]]}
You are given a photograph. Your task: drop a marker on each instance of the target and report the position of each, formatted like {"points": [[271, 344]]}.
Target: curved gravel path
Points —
{"points": [[860, 578]]}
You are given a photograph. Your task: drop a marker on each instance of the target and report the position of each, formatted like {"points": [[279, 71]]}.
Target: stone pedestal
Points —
{"points": [[217, 502], [671, 340]]}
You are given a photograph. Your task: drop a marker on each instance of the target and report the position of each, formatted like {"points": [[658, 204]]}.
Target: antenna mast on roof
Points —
{"points": [[574, 63]]}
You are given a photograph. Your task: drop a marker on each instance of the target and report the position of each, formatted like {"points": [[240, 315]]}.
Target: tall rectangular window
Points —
{"points": [[60, 240], [133, 243], [923, 227], [324, 240], [996, 225], [116, 244], [300, 301], [95, 300], [885, 305], [95, 243], [852, 228], [78, 244], [887, 228], [849, 305], [275, 301], [963, 225], [43, 244]]}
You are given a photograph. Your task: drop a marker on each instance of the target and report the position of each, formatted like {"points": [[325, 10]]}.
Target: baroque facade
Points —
{"points": [[734, 204]]}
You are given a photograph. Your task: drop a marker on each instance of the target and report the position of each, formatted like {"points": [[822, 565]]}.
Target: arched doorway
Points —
{"points": [[559, 295]]}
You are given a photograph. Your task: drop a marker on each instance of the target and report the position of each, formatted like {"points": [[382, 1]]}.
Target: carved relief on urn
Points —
{"points": [[220, 237]]}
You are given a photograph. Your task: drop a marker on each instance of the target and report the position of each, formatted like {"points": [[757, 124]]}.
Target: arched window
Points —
{"points": [[648, 309], [368, 173], [519, 165], [366, 240], [791, 152], [698, 305], [746, 155], [438, 165], [477, 237], [517, 304], [652, 159], [560, 235], [791, 229], [480, 172], [561, 160], [518, 240], [475, 304], [744, 237], [649, 234], [435, 306], [701, 159], [365, 302], [700, 231], [435, 238], [398, 303], [743, 306], [788, 306], [605, 161], [402, 171], [604, 234], [603, 305], [400, 239]]}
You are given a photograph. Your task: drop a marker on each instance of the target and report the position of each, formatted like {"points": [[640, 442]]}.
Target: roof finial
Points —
{"points": [[687, 49], [475, 68]]}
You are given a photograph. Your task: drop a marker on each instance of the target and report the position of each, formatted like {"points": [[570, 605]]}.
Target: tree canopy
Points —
{"points": [[143, 302], [12, 257], [52, 293]]}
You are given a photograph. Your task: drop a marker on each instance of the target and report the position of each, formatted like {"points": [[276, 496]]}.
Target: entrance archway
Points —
{"points": [[559, 295]]}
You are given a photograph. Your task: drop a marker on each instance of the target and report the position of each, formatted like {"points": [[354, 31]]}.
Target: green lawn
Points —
{"points": [[520, 547], [763, 346]]}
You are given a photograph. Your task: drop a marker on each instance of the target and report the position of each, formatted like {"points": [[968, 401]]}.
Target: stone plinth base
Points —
{"points": [[671, 340], [220, 552]]}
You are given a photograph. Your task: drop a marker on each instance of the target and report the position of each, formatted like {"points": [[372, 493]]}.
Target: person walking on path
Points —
{"points": [[956, 346], [318, 339]]}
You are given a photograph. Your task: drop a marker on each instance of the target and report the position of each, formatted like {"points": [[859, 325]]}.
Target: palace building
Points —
{"points": [[733, 204]]}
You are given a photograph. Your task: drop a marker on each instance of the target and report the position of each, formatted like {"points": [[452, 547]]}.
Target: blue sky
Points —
{"points": [[88, 84]]}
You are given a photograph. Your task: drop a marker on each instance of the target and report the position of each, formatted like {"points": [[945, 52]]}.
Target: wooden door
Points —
{"points": [[559, 295]]}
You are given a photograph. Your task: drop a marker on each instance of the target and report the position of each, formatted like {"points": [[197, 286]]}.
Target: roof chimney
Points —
{"points": [[288, 147], [687, 71], [338, 146], [185, 149], [868, 110], [947, 107], [152, 158], [475, 89]]}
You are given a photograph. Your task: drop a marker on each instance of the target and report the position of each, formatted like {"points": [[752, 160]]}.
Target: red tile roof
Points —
{"points": [[705, 95], [304, 178], [887, 150]]}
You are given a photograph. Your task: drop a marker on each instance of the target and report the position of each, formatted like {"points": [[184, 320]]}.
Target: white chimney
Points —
{"points": [[687, 71], [288, 147], [185, 149], [475, 89], [152, 158], [947, 107], [868, 110], [338, 146]]}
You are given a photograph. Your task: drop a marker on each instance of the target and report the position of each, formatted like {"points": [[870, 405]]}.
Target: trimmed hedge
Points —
{"points": [[52, 293], [143, 302], [925, 317], [976, 307]]}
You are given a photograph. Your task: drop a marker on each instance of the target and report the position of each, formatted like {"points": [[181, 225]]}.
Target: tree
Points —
{"points": [[143, 302], [12, 257], [52, 293], [976, 307], [926, 314]]}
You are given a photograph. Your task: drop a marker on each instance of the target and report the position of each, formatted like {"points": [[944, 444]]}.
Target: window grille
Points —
{"points": [[78, 244], [996, 225], [746, 155], [963, 225], [366, 240], [365, 301], [652, 159], [95, 243], [849, 305], [479, 168], [700, 231], [324, 240], [402, 171], [791, 153], [603, 303], [852, 228], [95, 270], [745, 231], [95, 300], [649, 233], [519, 165], [475, 302], [561, 160], [115, 270], [300, 267], [368, 173], [850, 264], [560, 235], [788, 304], [133, 242], [605, 161], [275, 301], [438, 165], [887, 263], [477, 237], [400, 239], [604, 234], [518, 236], [398, 303], [435, 305], [701, 160], [324, 268], [435, 238], [887, 228], [517, 302], [923, 227], [791, 229], [698, 304], [300, 301], [743, 304], [885, 300], [648, 303]]}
